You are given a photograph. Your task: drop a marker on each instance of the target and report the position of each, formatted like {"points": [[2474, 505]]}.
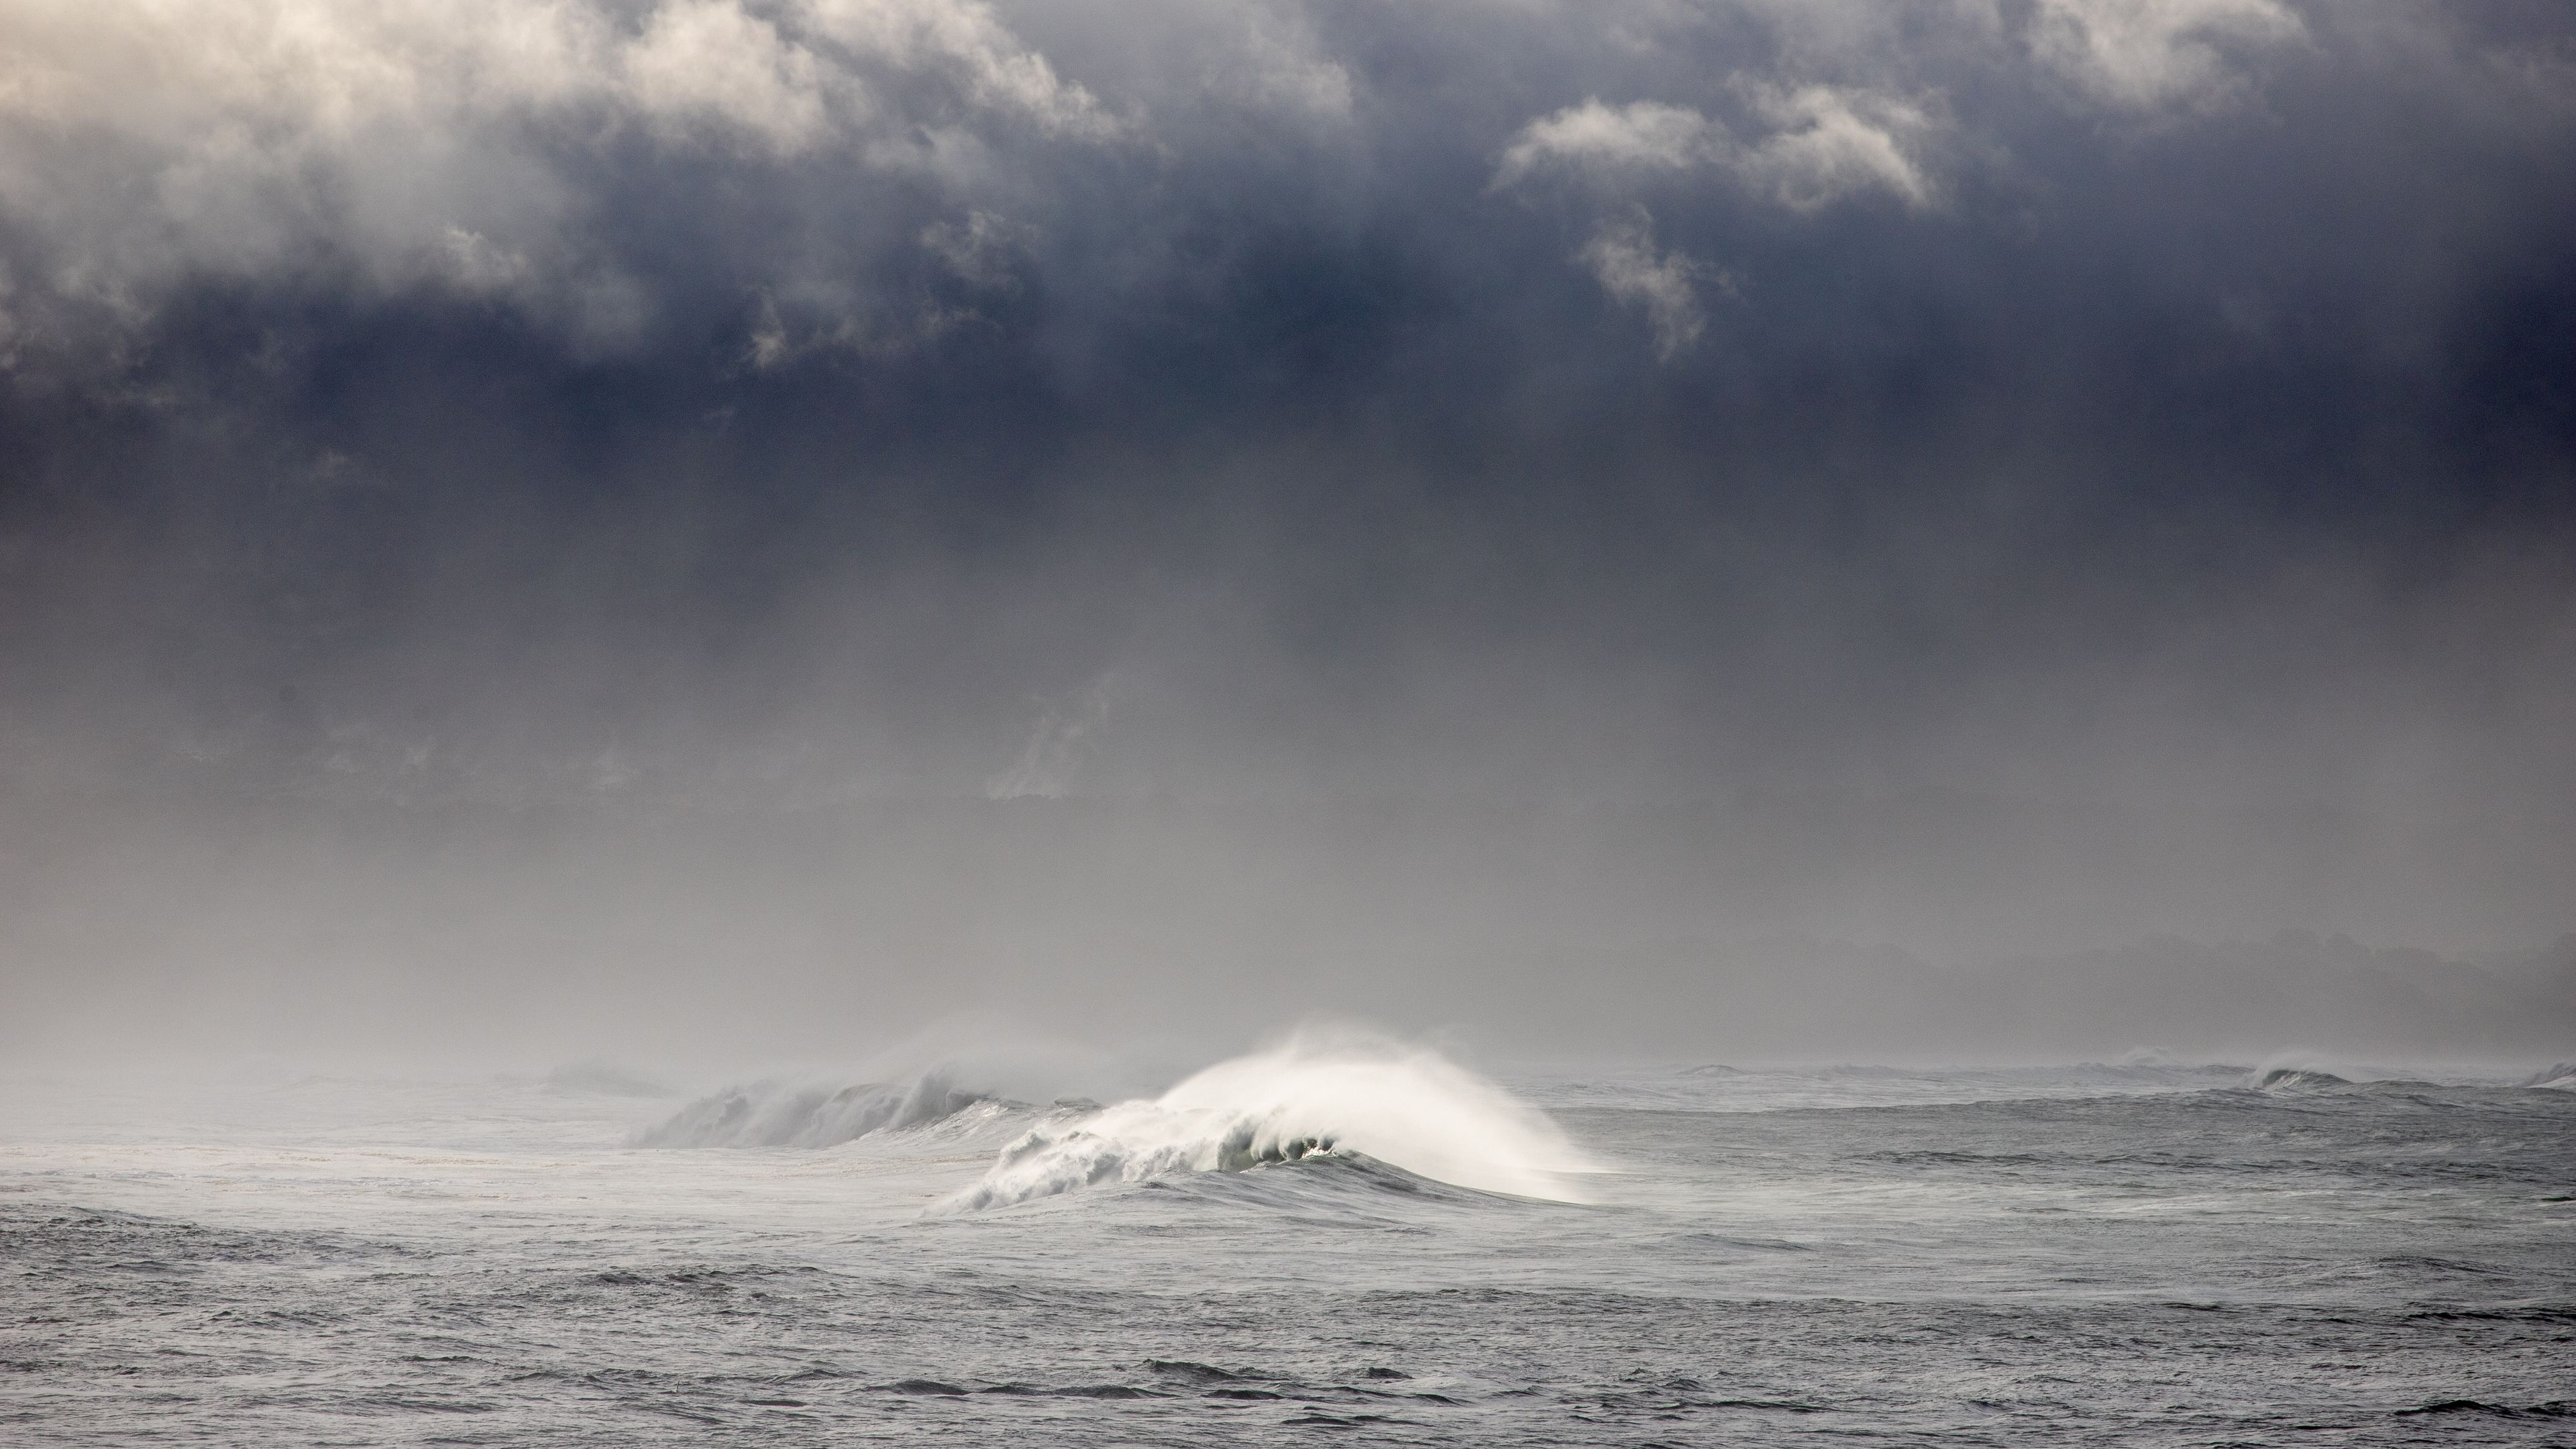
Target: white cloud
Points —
{"points": [[981, 250], [400, 143], [1825, 143], [1831, 143], [2146, 54], [964, 38], [474, 264], [1274, 58], [1643, 136], [709, 61], [1622, 255]]}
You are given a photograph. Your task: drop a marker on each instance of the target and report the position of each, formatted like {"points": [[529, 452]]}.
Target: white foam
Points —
{"points": [[1403, 1105]]}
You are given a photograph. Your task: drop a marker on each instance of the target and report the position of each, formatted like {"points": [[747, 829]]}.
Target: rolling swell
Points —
{"points": [[775, 1114], [1393, 1108]]}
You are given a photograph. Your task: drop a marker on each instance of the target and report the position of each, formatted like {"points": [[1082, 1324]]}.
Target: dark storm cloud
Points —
{"points": [[1660, 327], [2154, 408]]}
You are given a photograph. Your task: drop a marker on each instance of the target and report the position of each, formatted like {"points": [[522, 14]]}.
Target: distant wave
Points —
{"points": [[775, 1114], [2294, 1080], [2302, 1073], [2298, 1079], [1406, 1107], [2305, 1071]]}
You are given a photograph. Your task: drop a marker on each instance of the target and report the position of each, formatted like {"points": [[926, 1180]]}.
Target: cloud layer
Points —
{"points": [[513, 150], [2154, 401]]}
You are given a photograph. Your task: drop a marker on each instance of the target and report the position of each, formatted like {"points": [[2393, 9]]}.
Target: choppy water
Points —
{"points": [[2146, 1254]]}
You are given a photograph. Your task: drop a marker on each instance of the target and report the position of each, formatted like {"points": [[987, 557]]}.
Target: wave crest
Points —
{"points": [[1407, 1107]]}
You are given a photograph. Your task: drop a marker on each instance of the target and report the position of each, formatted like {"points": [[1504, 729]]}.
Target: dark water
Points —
{"points": [[2096, 1255]]}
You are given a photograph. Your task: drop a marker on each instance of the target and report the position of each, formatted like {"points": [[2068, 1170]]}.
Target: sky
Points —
{"points": [[556, 523]]}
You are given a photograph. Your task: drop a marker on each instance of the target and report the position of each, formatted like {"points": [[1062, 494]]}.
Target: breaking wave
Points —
{"points": [[775, 1114], [1406, 1107]]}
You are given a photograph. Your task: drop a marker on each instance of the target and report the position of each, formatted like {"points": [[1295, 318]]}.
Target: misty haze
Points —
{"points": [[1205, 721]]}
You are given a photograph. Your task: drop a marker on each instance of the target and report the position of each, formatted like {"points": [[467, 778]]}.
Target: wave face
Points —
{"points": [[772, 1114], [1407, 1107]]}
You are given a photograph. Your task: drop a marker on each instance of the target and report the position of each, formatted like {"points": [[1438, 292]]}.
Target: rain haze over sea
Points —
{"points": [[1203, 721]]}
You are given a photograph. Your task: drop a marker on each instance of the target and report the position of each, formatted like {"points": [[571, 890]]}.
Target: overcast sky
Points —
{"points": [[2152, 419]]}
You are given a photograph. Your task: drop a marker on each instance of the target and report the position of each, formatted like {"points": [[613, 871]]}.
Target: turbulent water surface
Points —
{"points": [[1369, 1245]]}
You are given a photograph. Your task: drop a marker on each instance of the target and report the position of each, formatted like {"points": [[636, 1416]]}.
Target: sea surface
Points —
{"points": [[1321, 1243]]}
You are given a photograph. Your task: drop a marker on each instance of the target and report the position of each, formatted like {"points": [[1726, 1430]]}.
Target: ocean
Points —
{"points": [[1328, 1241]]}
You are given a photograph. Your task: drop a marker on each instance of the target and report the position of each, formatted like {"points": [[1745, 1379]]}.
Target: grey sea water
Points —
{"points": [[2146, 1254]]}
